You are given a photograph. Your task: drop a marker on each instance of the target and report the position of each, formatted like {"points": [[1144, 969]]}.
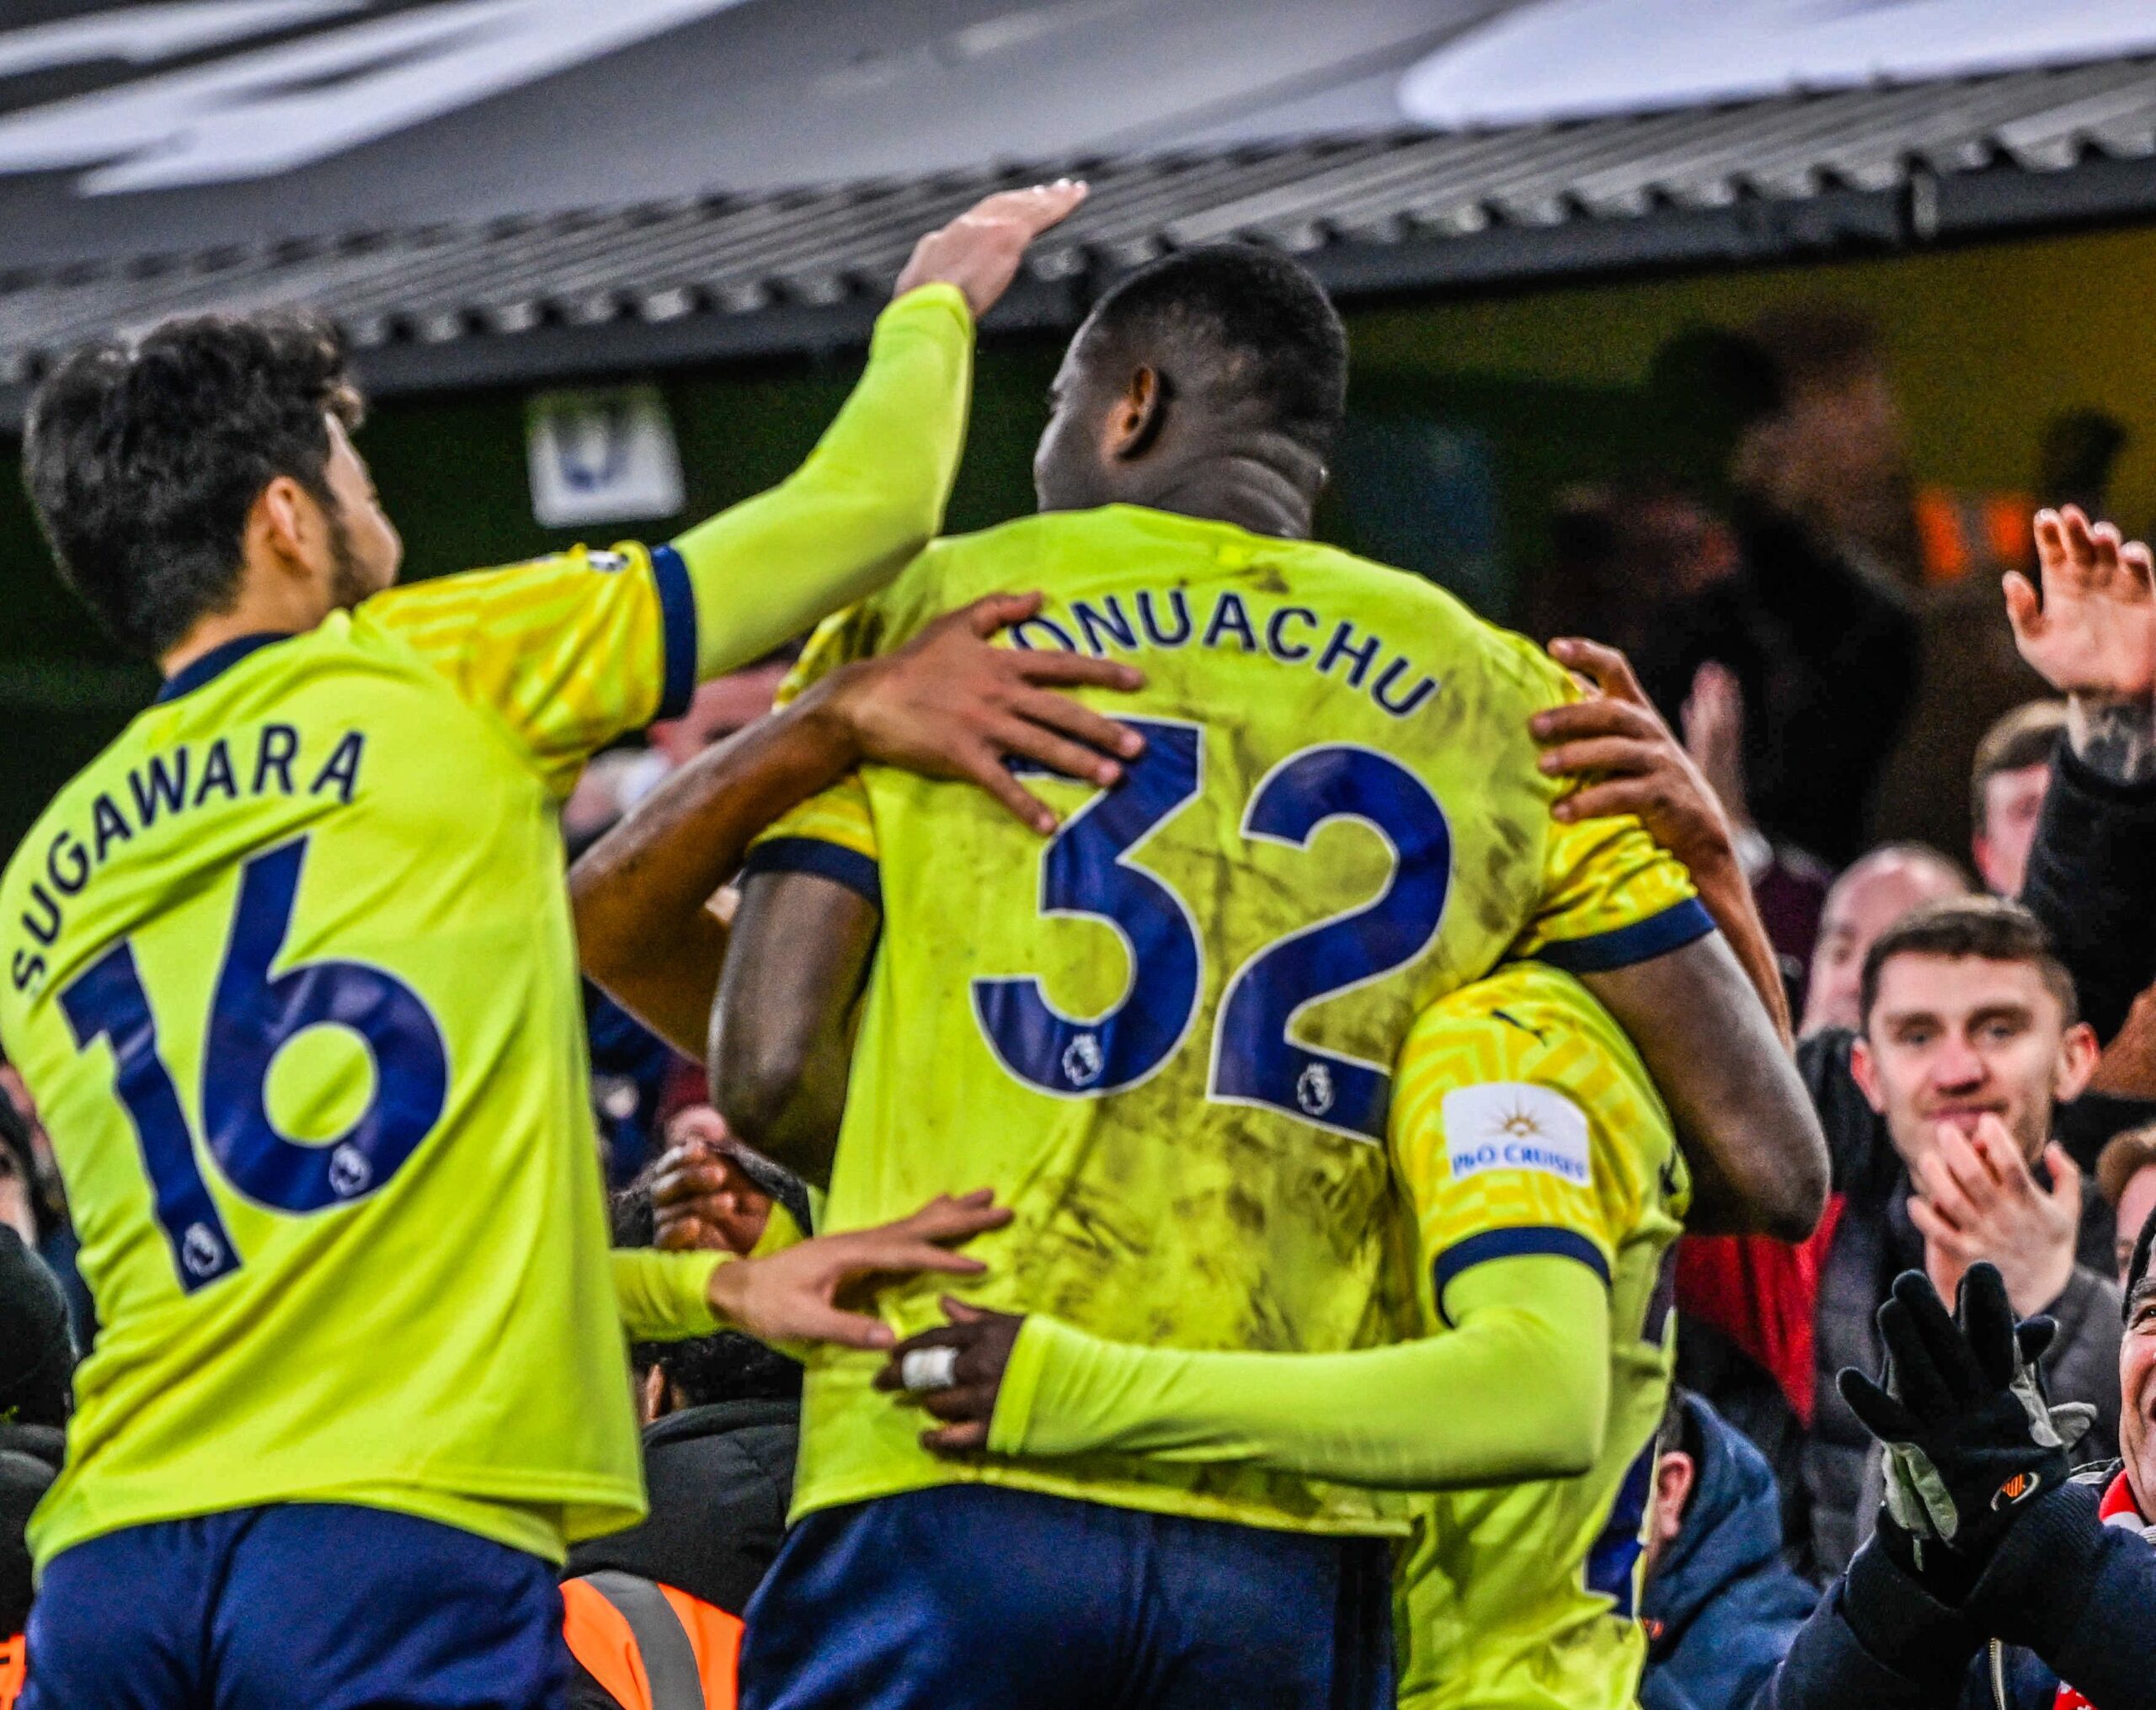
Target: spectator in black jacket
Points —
{"points": [[2041, 1598], [2092, 635], [1720, 1607], [2091, 879]]}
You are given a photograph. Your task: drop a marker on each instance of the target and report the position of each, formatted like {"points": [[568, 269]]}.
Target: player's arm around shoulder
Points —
{"points": [[1716, 1048], [948, 705]]}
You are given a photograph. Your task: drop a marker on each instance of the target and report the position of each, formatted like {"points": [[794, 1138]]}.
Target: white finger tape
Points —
{"points": [[929, 1368]]}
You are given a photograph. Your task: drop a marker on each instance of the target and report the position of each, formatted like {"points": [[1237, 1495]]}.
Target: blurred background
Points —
{"points": [[1747, 331]]}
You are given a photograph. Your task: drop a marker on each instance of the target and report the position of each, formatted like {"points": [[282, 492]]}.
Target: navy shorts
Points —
{"points": [[327, 1605], [974, 1597]]}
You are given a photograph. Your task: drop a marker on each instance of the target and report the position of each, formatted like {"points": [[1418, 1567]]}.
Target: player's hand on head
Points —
{"points": [[980, 250], [955, 1371], [1630, 760], [2092, 631], [689, 1191], [808, 1292], [705, 1198], [951, 705]]}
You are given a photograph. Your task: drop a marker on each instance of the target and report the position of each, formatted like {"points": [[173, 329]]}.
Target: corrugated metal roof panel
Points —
{"points": [[727, 267]]}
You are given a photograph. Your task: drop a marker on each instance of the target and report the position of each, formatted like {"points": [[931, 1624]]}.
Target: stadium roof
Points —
{"points": [[522, 299]]}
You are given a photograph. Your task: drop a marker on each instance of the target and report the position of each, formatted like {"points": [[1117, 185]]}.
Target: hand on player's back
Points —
{"points": [[949, 705], [1632, 761], [982, 1342], [793, 1295], [980, 250]]}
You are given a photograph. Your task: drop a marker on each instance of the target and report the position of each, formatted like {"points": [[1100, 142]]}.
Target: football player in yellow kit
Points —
{"points": [[1544, 1187], [290, 972], [1167, 1037], [1539, 1172]]}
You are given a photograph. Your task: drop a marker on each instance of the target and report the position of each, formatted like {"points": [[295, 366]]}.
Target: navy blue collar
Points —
{"points": [[219, 659]]}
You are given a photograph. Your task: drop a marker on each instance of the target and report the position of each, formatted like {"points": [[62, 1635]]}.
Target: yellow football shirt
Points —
{"points": [[291, 976], [1525, 1122], [1165, 1037]]}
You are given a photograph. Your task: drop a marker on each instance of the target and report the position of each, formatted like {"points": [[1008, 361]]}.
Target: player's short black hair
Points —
{"points": [[1988, 929], [1258, 316], [143, 457]]}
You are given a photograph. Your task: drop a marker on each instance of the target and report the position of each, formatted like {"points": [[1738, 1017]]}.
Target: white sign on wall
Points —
{"points": [[602, 457]]}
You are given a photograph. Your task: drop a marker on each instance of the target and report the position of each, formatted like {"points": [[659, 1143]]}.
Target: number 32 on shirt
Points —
{"points": [[1085, 871]]}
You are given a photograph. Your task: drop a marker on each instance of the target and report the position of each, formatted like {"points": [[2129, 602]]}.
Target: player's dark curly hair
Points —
{"points": [[143, 457], [1246, 321]]}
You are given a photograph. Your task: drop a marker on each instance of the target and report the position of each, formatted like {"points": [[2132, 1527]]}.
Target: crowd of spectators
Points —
{"points": [[1981, 1052]]}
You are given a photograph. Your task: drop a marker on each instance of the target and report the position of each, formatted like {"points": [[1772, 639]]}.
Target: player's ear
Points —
{"points": [[278, 523], [1133, 422]]}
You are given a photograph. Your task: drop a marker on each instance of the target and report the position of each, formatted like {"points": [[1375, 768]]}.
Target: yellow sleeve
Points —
{"points": [[1611, 895], [568, 652], [781, 1231], [662, 1296], [869, 497], [1497, 1153], [1518, 1389]]}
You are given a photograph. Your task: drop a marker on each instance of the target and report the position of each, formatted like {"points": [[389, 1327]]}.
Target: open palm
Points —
{"points": [[2093, 630]]}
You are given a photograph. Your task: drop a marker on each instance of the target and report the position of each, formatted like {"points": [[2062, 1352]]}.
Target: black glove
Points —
{"points": [[1970, 1435]]}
